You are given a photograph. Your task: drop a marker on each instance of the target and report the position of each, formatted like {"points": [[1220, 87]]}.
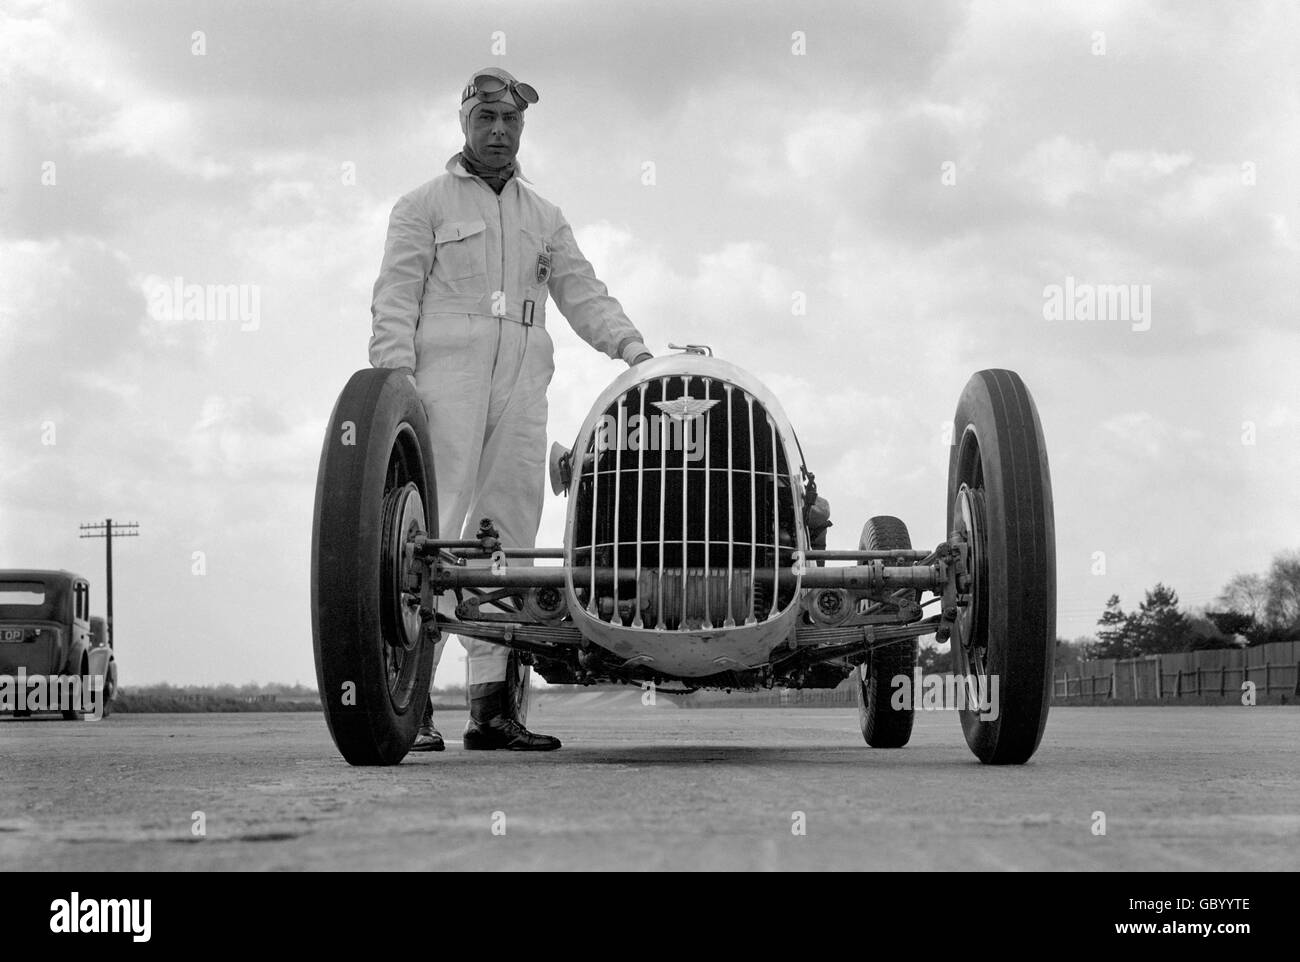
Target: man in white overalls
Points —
{"points": [[460, 305]]}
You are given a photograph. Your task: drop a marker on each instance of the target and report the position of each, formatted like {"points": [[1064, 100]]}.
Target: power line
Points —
{"points": [[108, 530]]}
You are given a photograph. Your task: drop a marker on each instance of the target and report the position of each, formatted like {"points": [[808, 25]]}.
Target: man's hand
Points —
{"points": [[633, 351], [410, 375]]}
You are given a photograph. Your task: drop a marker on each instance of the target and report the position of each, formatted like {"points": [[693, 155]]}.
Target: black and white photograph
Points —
{"points": [[728, 436]]}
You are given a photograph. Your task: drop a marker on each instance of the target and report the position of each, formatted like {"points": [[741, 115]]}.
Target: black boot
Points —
{"points": [[491, 725], [427, 738]]}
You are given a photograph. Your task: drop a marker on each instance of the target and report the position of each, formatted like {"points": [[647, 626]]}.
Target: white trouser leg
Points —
{"points": [[483, 383], [438, 648], [453, 379], [512, 469]]}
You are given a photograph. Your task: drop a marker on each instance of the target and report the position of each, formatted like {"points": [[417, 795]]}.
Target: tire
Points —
{"points": [[375, 486], [110, 689], [72, 715], [884, 726], [1000, 495]]}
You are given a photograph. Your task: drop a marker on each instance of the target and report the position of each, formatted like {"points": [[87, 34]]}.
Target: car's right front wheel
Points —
{"points": [[374, 495]]}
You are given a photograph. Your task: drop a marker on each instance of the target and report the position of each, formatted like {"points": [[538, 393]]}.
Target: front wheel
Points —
{"points": [[1000, 504], [884, 725], [374, 493]]}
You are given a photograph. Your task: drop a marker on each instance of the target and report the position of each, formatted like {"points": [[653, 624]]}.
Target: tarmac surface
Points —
{"points": [[656, 788]]}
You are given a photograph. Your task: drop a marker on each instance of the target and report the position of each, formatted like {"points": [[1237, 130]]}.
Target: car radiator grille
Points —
{"points": [[686, 506]]}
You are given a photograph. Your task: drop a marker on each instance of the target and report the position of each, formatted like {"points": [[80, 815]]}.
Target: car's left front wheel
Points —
{"points": [[885, 724]]}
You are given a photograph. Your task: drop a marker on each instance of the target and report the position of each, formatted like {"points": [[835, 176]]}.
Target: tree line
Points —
{"points": [[1251, 609]]}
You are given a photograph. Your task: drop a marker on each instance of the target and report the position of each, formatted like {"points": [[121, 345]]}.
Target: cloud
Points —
{"points": [[1060, 170], [67, 308], [160, 129], [245, 437]]}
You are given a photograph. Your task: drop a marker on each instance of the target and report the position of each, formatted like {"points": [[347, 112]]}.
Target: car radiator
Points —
{"points": [[687, 516]]}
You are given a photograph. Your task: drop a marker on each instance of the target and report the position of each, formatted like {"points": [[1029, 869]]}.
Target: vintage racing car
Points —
{"points": [[696, 562]]}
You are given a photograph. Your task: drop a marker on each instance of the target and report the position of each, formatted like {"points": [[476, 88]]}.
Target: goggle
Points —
{"points": [[490, 89]]}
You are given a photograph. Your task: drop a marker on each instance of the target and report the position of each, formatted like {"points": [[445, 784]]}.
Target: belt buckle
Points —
{"points": [[527, 317]]}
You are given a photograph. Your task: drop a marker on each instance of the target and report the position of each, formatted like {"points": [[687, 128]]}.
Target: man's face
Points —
{"points": [[493, 132]]}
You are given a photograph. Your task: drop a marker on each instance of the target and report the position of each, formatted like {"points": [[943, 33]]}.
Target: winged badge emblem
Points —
{"points": [[685, 408]]}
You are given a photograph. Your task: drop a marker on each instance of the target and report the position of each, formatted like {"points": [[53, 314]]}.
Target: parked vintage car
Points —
{"points": [[46, 630], [696, 562]]}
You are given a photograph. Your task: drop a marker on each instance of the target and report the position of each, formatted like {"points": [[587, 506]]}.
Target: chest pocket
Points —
{"points": [[460, 250]]}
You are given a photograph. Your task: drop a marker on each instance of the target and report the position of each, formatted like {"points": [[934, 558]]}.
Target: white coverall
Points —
{"points": [[459, 264]]}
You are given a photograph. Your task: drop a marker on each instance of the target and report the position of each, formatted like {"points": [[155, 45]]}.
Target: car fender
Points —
{"points": [[99, 659]]}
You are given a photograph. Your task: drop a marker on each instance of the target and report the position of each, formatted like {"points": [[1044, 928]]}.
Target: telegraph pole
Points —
{"points": [[106, 530]]}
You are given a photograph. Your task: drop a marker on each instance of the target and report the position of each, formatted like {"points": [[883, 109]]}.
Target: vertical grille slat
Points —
{"points": [[776, 526], [618, 504], [663, 490], [708, 537], [640, 487], [751, 618], [685, 435], [595, 514], [731, 507], [686, 496]]}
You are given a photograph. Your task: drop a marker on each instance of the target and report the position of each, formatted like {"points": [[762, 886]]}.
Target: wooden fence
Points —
{"points": [[1222, 674]]}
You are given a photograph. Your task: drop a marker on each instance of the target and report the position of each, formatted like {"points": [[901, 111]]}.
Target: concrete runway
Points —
{"points": [[657, 788]]}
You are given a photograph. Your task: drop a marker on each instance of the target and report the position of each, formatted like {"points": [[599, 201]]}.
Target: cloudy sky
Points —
{"points": [[920, 173]]}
